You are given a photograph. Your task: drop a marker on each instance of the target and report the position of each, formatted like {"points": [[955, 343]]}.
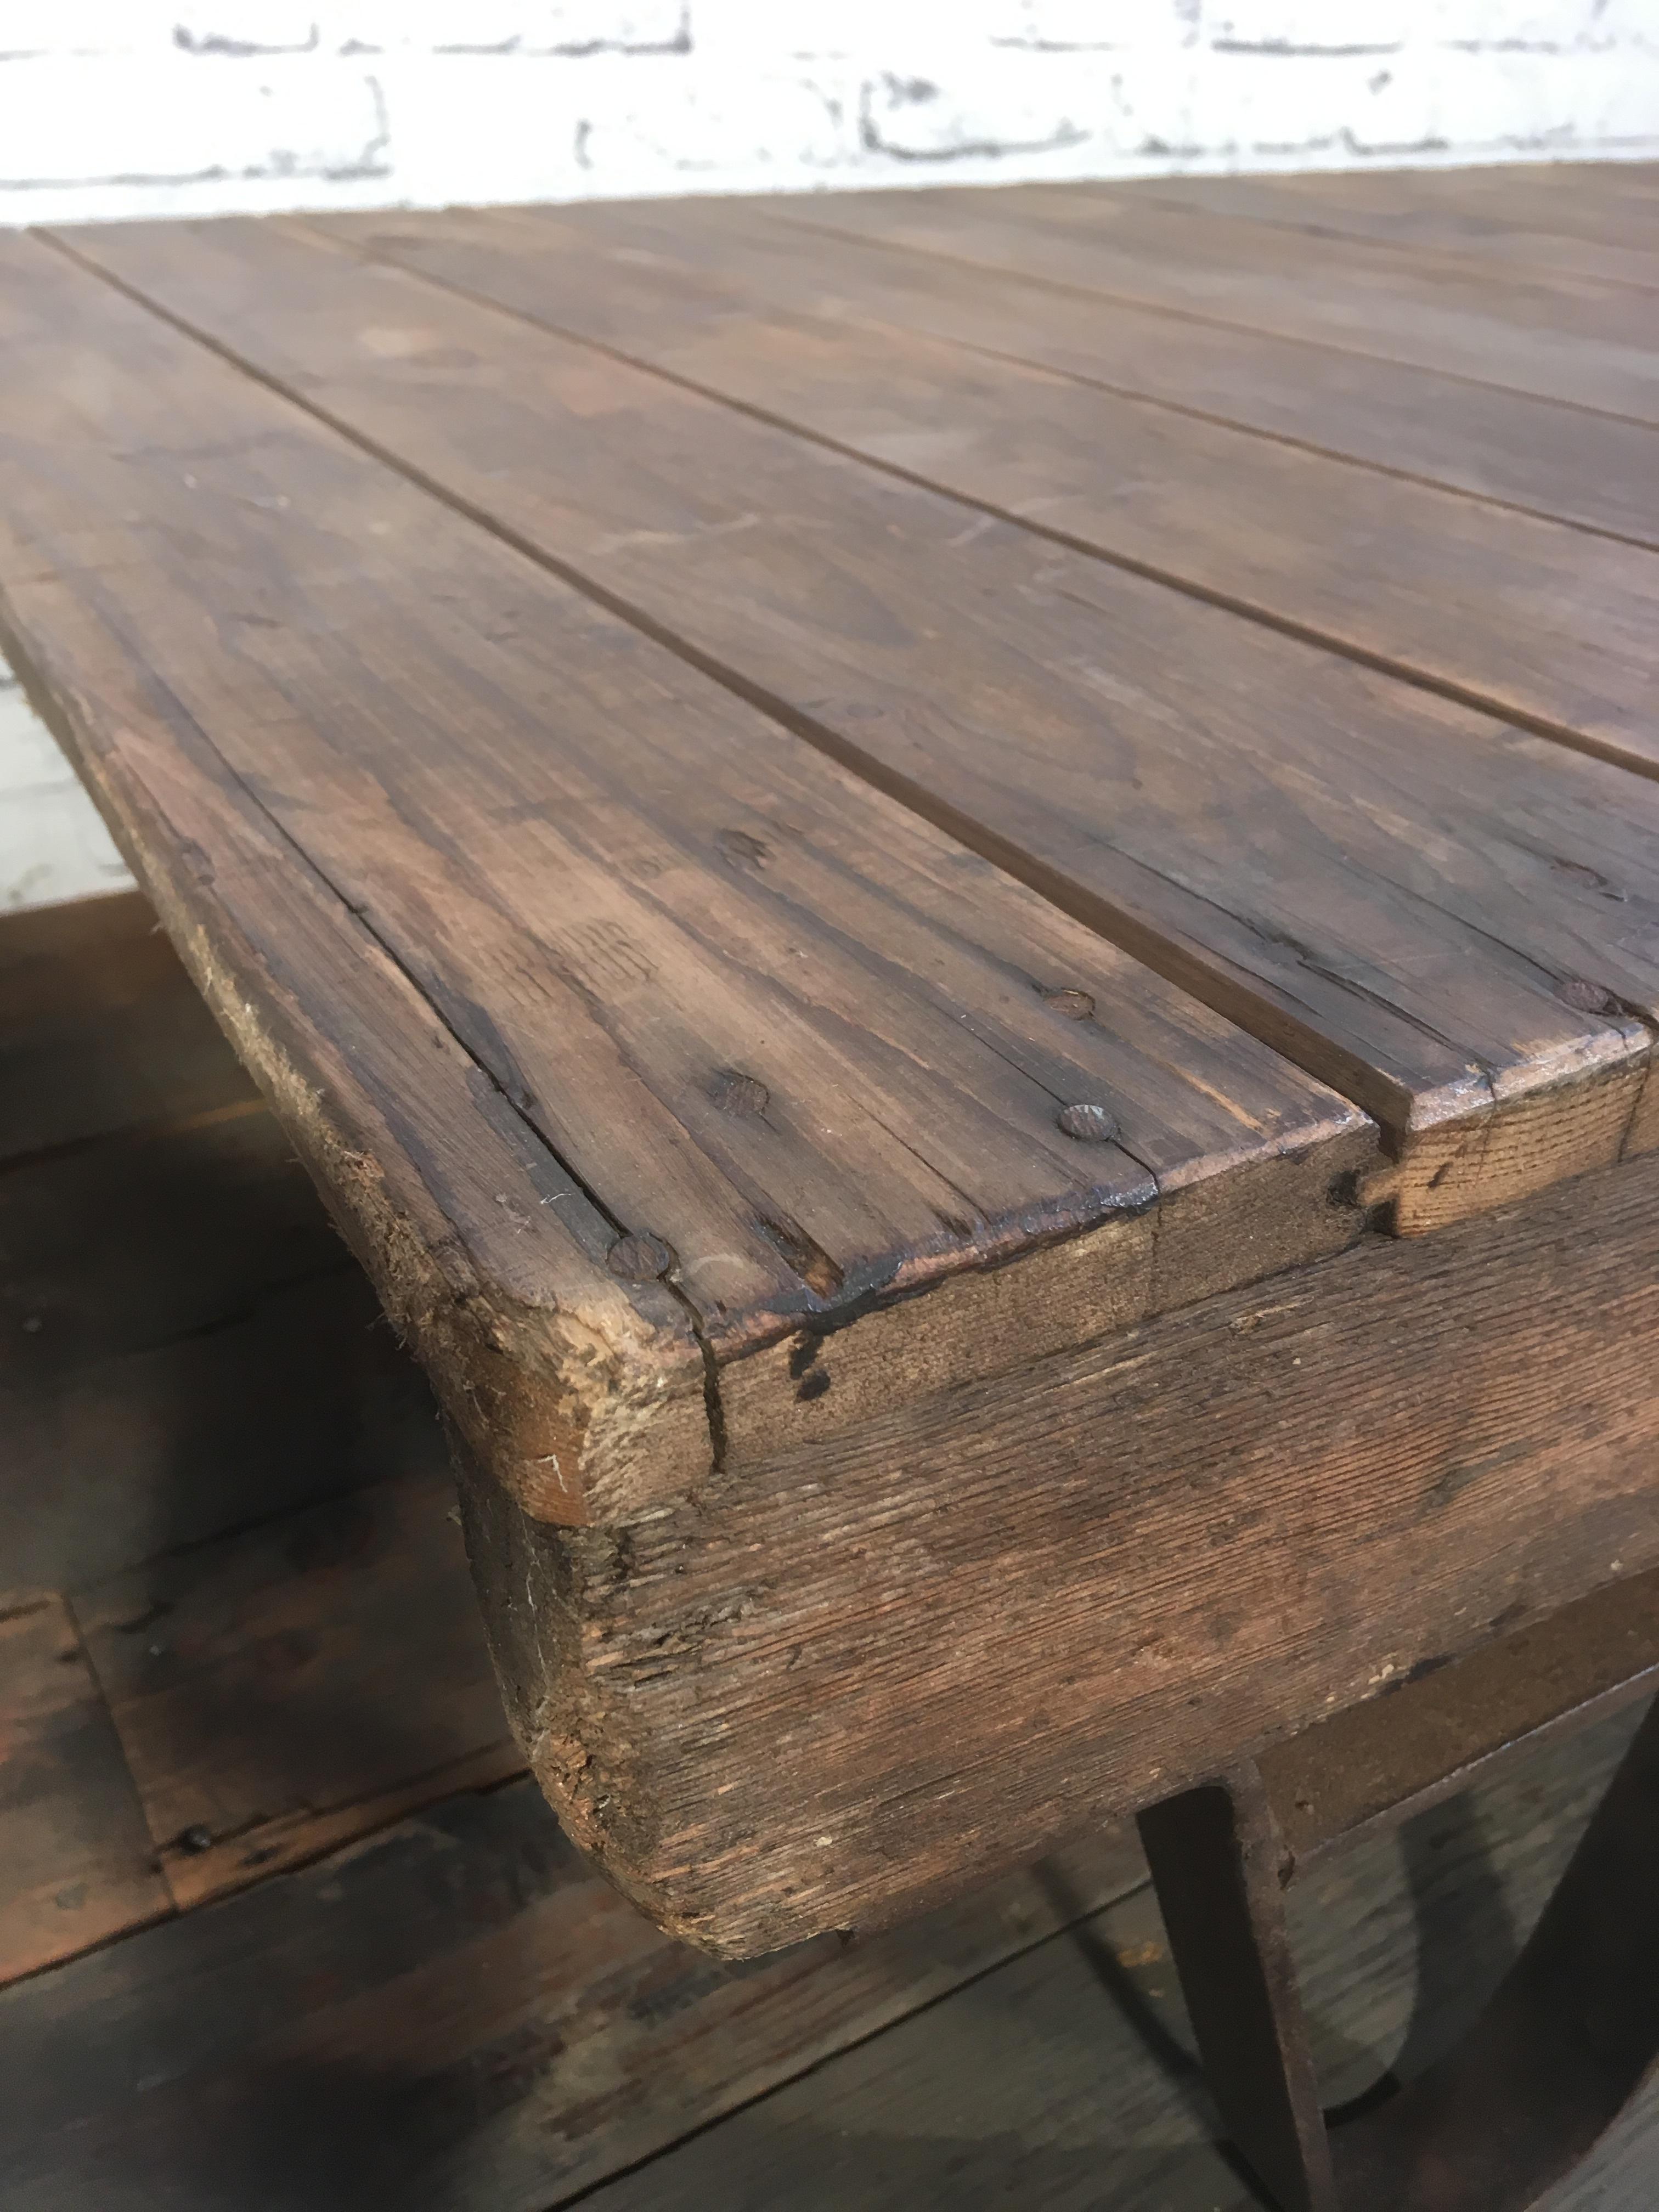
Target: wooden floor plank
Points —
{"points": [[185, 1345], [284, 1691], [1450, 891], [453, 2014], [1064, 2079], [1561, 338], [100, 1029], [1539, 225], [78, 1864], [673, 284], [835, 1050], [173, 1301]]}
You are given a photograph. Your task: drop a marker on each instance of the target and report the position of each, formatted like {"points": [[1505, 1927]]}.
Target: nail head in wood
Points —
{"points": [[1587, 998], [1076, 1005], [1090, 1125], [735, 1092], [639, 1259]]}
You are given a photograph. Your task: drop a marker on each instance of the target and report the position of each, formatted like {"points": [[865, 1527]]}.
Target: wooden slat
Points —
{"points": [[452, 2014], [284, 1691], [675, 285], [1064, 2081], [803, 1048], [1417, 904], [78, 1865], [1538, 225], [1512, 612], [1562, 337]]}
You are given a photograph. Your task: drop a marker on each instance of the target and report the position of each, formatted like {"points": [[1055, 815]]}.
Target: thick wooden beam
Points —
{"points": [[861, 1674]]}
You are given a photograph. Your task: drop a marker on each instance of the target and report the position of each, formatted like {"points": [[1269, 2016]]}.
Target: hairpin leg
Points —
{"points": [[1559, 2051]]}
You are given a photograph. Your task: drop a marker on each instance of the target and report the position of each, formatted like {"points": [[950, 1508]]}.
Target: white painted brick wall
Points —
{"points": [[128, 107], [115, 108]]}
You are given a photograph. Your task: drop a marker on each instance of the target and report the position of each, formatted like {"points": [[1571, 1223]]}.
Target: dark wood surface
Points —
{"points": [[993, 1616], [952, 984], [452, 2011], [1393, 891], [1532, 330], [362, 1980]]}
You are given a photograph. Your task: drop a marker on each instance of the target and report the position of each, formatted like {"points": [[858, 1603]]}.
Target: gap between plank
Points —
{"points": [[1525, 272], [1287, 626], [1195, 315], [1094, 912]]}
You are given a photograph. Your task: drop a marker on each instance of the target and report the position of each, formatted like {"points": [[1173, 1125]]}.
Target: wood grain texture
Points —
{"points": [[1065, 2080], [1419, 905], [801, 1050], [452, 2015], [284, 1690], [1513, 611], [1559, 337], [664, 282], [1539, 223], [78, 1863], [865, 1673]]}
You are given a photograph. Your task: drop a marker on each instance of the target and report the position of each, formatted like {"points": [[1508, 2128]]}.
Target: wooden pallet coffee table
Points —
{"points": [[956, 892]]}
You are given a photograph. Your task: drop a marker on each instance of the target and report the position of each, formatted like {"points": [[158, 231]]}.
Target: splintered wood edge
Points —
{"points": [[1517, 1146], [594, 1402], [585, 1402]]}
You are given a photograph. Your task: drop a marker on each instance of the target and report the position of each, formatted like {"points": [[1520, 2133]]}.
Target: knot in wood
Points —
{"points": [[639, 1259], [735, 1092], [1090, 1125], [1587, 998], [1076, 1005]]}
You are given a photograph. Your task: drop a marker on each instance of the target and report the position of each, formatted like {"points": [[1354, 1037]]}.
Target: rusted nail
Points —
{"points": [[639, 1259], [1587, 998], [196, 1839], [1076, 1005], [1090, 1125], [735, 1092]]}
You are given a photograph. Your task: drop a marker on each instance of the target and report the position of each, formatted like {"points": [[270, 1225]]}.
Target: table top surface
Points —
{"points": [[732, 763]]}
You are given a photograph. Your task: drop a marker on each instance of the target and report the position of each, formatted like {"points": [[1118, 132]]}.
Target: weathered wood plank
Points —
{"points": [[1419, 905], [1559, 337], [1524, 225], [806, 1050], [1514, 613], [100, 1028], [1065, 2079], [79, 1867], [675, 284], [857, 1676], [284, 1690], [453, 2014]]}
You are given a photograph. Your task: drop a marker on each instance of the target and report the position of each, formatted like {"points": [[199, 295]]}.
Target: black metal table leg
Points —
{"points": [[1564, 2044]]}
